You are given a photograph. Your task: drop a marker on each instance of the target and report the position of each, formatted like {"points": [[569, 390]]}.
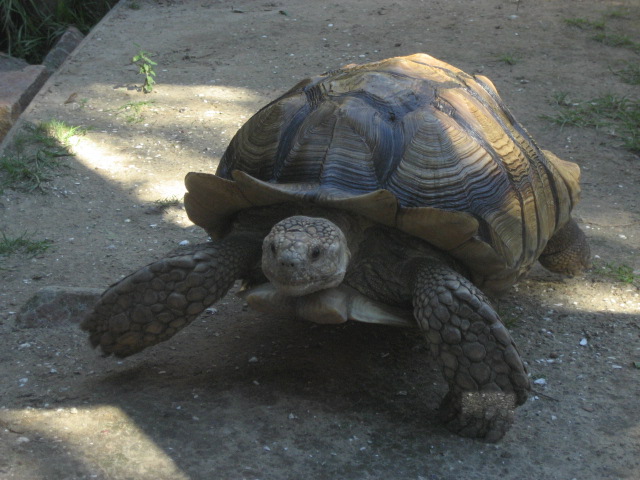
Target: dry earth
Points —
{"points": [[244, 396]]}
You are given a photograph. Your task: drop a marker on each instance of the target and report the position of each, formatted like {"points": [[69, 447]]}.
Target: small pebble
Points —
{"points": [[584, 342], [540, 381], [184, 243]]}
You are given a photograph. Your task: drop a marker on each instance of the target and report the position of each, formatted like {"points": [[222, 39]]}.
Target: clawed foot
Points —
{"points": [[483, 415]]}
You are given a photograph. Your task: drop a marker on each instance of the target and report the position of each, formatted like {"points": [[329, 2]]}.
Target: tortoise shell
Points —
{"points": [[409, 142]]}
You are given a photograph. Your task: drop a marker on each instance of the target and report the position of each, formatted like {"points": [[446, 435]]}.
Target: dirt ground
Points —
{"points": [[239, 395]]}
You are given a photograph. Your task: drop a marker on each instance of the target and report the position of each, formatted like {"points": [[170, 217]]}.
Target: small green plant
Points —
{"points": [[145, 67], [584, 24], [620, 273], [60, 132], [561, 99], [132, 111], [616, 40], [10, 245], [164, 203], [604, 36], [630, 73], [510, 316], [508, 59], [617, 13], [35, 152], [619, 115]]}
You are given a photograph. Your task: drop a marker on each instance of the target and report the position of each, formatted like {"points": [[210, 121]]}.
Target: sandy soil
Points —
{"points": [[244, 396]]}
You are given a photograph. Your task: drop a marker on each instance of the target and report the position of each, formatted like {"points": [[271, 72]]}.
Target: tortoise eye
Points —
{"points": [[315, 252]]}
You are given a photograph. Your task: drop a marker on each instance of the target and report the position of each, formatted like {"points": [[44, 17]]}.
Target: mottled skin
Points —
{"points": [[568, 251], [302, 255], [152, 304]]}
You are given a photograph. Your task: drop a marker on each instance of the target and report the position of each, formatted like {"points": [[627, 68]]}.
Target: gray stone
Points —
{"points": [[55, 306], [19, 83], [67, 43]]}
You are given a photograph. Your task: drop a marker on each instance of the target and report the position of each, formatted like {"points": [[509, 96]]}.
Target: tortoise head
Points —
{"points": [[302, 255]]}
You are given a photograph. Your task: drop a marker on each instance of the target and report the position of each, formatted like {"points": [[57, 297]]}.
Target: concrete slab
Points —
{"points": [[17, 89], [20, 82]]}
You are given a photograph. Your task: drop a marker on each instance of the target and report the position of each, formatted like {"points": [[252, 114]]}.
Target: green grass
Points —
{"points": [[508, 58], [619, 115], [132, 112], [509, 316], [35, 153], [617, 13], [561, 99], [604, 36], [56, 133], [630, 73], [22, 244], [584, 24], [616, 40], [167, 202], [29, 30], [620, 273]]}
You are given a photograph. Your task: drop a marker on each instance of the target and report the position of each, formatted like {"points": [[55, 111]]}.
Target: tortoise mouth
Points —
{"points": [[304, 287]]}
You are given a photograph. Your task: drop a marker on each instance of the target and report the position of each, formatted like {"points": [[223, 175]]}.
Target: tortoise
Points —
{"points": [[399, 192]]}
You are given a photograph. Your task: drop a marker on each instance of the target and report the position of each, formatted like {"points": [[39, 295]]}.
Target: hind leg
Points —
{"points": [[567, 251]]}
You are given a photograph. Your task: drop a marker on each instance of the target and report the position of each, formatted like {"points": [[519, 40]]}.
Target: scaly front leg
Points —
{"points": [[153, 303], [478, 357]]}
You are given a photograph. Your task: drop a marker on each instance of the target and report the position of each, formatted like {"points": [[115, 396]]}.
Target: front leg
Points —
{"points": [[153, 303], [478, 357]]}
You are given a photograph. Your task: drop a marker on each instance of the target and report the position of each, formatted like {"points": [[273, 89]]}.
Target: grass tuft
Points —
{"points": [[584, 24], [132, 112], [22, 244], [35, 153], [616, 40], [619, 115], [630, 73], [508, 58], [620, 273], [168, 202]]}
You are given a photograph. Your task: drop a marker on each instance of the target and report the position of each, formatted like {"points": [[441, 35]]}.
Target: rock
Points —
{"points": [[67, 43], [19, 83], [54, 306]]}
